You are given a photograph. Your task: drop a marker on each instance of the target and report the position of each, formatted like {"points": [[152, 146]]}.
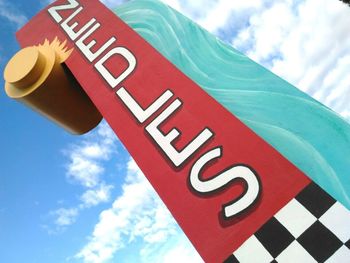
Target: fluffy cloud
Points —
{"points": [[179, 251], [64, 216], [223, 13], [11, 14], [85, 159], [305, 42], [267, 29], [137, 214], [93, 197], [86, 168]]}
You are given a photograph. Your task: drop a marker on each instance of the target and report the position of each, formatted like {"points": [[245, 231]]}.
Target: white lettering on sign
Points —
{"points": [[112, 80], [53, 10], [86, 48], [70, 29], [229, 175], [165, 142], [139, 113]]}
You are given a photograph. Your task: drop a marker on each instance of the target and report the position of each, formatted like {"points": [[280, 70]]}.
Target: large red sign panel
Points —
{"points": [[219, 179]]}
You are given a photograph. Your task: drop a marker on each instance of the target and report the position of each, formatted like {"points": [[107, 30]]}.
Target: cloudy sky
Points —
{"points": [[65, 198]]}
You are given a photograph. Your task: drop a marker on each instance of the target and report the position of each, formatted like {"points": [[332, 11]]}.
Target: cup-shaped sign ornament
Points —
{"points": [[37, 77]]}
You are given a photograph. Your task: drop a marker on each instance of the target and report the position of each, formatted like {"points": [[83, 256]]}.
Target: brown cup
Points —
{"points": [[37, 77]]}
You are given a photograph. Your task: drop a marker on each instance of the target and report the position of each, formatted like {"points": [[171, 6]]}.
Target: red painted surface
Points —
{"points": [[198, 216]]}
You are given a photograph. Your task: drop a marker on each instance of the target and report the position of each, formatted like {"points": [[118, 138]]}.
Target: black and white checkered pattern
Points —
{"points": [[313, 227]]}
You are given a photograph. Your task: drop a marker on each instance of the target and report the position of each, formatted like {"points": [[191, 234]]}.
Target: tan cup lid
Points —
{"points": [[25, 67]]}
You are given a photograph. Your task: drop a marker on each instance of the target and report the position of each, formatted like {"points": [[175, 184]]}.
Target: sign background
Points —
{"points": [[198, 216]]}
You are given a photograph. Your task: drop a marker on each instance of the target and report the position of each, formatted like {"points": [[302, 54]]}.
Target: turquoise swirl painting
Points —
{"points": [[310, 135]]}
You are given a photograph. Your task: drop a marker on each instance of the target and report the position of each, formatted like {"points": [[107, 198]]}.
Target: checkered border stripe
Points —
{"points": [[312, 227]]}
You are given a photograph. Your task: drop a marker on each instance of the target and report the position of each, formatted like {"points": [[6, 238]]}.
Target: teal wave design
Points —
{"points": [[310, 135]]}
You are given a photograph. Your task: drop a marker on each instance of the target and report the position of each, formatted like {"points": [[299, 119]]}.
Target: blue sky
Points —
{"points": [[63, 198]]}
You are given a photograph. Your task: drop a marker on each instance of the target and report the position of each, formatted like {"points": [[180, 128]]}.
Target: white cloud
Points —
{"points": [[214, 14], [307, 43], [85, 159], [93, 197], [107, 138], [346, 114], [137, 214], [267, 30], [219, 14], [93, 151], [84, 171], [177, 248], [180, 251], [86, 167], [64, 216], [11, 14]]}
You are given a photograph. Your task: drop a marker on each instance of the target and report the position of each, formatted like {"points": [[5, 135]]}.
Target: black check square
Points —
{"points": [[274, 237], [231, 259], [316, 200], [312, 226], [347, 244], [319, 241]]}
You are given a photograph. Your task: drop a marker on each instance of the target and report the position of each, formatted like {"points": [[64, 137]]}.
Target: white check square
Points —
{"points": [[342, 255], [337, 219], [295, 217], [295, 253], [252, 251]]}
